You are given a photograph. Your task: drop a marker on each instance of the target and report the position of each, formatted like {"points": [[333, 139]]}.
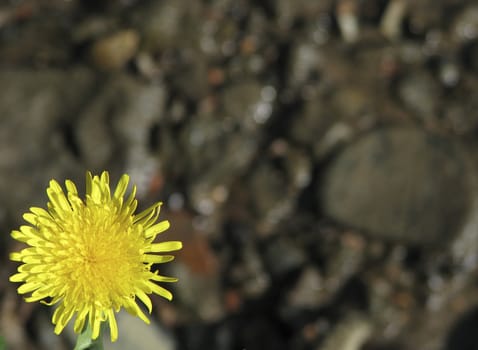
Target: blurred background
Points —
{"points": [[317, 159]]}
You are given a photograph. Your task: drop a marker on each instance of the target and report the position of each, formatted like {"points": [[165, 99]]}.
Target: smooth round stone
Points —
{"points": [[399, 184]]}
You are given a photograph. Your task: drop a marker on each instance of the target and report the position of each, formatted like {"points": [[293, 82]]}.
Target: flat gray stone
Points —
{"points": [[399, 184], [34, 107]]}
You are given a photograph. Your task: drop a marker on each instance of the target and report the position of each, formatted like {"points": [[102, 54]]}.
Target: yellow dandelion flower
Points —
{"points": [[92, 257]]}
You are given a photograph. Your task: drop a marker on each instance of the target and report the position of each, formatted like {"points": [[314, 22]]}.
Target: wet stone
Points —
{"points": [[306, 61], [465, 27], [123, 112], [288, 11], [420, 93], [224, 158], [210, 309], [352, 102], [282, 256], [191, 75], [273, 199], [308, 291], [249, 273], [35, 106], [35, 41], [244, 101], [350, 334], [169, 25], [114, 51], [312, 123], [399, 184]]}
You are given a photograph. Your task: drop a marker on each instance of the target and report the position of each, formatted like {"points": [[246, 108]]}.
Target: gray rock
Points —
{"points": [[400, 184], [424, 16], [309, 289], [112, 52], [191, 75], [243, 102], [391, 22], [352, 102], [133, 334], [209, 306], [283, 256], [168, 24], [120, 116], [272, 197], [250, 274], [420, 93], [37, 41], [306, 59], [336, 135], [220, 147], [235, 155], [288, 11], [217, 150], [350, 334], [313, 122], [465, 26], [34, 107], [299, 169]]}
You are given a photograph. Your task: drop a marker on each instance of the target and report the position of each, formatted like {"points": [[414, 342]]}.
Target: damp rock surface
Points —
{"points": [[35, 110], [400, 184], [312, 156]]}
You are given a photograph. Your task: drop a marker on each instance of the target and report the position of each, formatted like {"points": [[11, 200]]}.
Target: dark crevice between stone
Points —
{"points": [[463, 334], [70, 140]]}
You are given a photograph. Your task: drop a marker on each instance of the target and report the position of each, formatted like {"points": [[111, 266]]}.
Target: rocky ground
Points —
{"points": [[317, 158]]}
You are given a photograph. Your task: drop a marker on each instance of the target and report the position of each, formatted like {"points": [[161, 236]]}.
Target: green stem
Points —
{"points": [[84, 341]]}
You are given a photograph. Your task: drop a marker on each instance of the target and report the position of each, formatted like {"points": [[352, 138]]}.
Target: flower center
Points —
{"points": [[104, 261]]}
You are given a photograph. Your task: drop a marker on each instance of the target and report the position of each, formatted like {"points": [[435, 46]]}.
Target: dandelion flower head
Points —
{"points": [[92, 257]]}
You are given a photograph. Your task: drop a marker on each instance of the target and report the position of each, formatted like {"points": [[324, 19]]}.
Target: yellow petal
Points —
{"points": [[113, 325], [121, 187], [40, 212], [71, 187], [161, 291], [57, 197], [156, 229], [147, 214], [16, 256], [80, 320], [169, 246], [159, 278], [89, 183], [31, 218], [157, 259], [134, 310], [18, 277], [28, 287], [57, 313], [19, 236], [130, 202], [145, 299]]}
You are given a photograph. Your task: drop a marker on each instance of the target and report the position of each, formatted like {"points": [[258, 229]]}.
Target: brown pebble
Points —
{"points": [[112, 52]]}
